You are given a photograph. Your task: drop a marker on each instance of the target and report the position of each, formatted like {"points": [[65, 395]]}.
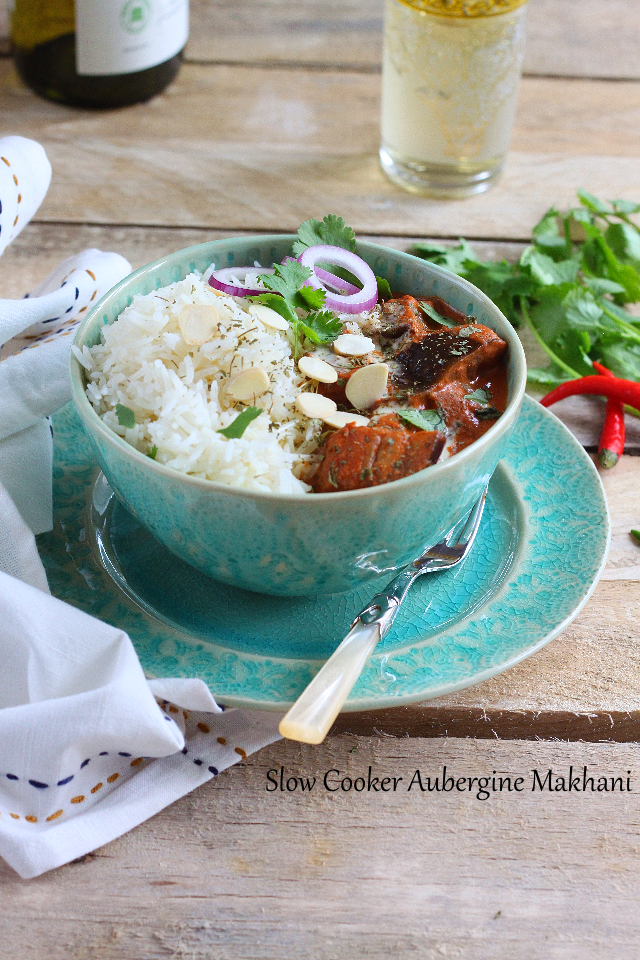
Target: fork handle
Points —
{"points": [[311, 716]]}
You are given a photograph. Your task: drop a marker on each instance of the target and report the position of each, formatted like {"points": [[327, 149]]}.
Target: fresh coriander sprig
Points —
{"points": [[570, 287], [332, 230], [290, 294]]}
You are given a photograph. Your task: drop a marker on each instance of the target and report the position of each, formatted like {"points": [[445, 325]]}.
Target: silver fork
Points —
{"points": [[311, 716]]}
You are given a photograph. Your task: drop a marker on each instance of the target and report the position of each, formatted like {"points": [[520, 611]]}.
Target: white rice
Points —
{"points": [[177, 391]]}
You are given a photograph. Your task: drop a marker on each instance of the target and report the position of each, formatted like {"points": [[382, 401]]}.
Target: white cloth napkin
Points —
{"points": [[35, 336], [88, 747], [25, 175]]}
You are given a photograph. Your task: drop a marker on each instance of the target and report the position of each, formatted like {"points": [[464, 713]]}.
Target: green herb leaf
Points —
{"points": [[126, 416], [570, 287], [636, 535], [622, 358], [454, 259], [235, 430], [291, 293], [481, 396], [626, 206], [581, 310], [332, 230], [425, 419], [624, 240], [384, 290], [546, 377], [286, 279], [152, 452], [592, 203], [504, 283], [313, 299], [433, 313], [323, 327], [600, 285], [277, 303], [546, 270]]}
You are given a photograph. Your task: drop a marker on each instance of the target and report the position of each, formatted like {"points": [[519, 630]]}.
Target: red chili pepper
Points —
{"points": [[626, 391], [611, 446]]}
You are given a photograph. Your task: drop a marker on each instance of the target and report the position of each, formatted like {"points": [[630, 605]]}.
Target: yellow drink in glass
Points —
{"points": [[450, 77]]}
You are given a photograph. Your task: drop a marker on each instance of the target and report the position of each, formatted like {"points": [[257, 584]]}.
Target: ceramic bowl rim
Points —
{"points": [[93, 421]]}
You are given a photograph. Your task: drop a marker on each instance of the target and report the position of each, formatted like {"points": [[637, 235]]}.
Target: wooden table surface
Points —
{"points": [[274, 118]]}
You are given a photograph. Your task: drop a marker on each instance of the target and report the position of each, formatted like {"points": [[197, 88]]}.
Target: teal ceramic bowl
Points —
{"points": [[298, 545]]}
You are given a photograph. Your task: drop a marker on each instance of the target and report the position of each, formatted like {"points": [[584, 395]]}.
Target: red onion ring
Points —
{"points": [[219, 280], [338, 284], [356, 302]]}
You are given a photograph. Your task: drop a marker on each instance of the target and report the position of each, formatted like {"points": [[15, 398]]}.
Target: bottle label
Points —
{"points": [[123, 36]]}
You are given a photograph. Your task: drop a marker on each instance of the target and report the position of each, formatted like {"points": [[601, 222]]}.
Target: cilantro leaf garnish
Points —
{"points": [[425, 419], [292, 293], [570, 287], [487, 413], [152, 452], [286, 279], [636, 535], [313, 299], [322, 327], [235, 430], [331, 230], [384, 290], [481, 396], [126, 416], [433, 313], [279, 304]]}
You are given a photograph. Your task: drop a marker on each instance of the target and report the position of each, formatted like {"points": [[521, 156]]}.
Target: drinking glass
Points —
{"points": [[450, 76]]}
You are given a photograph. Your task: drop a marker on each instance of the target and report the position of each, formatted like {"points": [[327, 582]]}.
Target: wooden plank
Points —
{"points": [[238, 148], [313, 32], [575, 38], [583, 38], [233, 871]]}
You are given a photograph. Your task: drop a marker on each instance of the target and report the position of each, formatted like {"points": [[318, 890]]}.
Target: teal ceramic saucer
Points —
{"points": [[540, 550]]}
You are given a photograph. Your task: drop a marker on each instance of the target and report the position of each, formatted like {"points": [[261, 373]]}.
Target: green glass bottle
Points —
{"points": [[98, 53]]}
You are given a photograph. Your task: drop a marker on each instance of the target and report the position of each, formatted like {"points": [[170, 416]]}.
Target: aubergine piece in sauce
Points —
{"points": [[456, 369], [356, 457], [446, 367]]}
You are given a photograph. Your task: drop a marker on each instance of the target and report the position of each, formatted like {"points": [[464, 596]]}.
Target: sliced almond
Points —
{"points": [[353, 345], [316, 406], [340, 419], [267, 316], [367, 385], [252, 382], [317, 369], [198, 323]]}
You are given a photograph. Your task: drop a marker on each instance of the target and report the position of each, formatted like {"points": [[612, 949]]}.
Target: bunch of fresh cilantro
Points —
{"points": [[570, 287]]}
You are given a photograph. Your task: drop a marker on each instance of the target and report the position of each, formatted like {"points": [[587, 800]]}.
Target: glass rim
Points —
{"points": [[464, 9]]}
